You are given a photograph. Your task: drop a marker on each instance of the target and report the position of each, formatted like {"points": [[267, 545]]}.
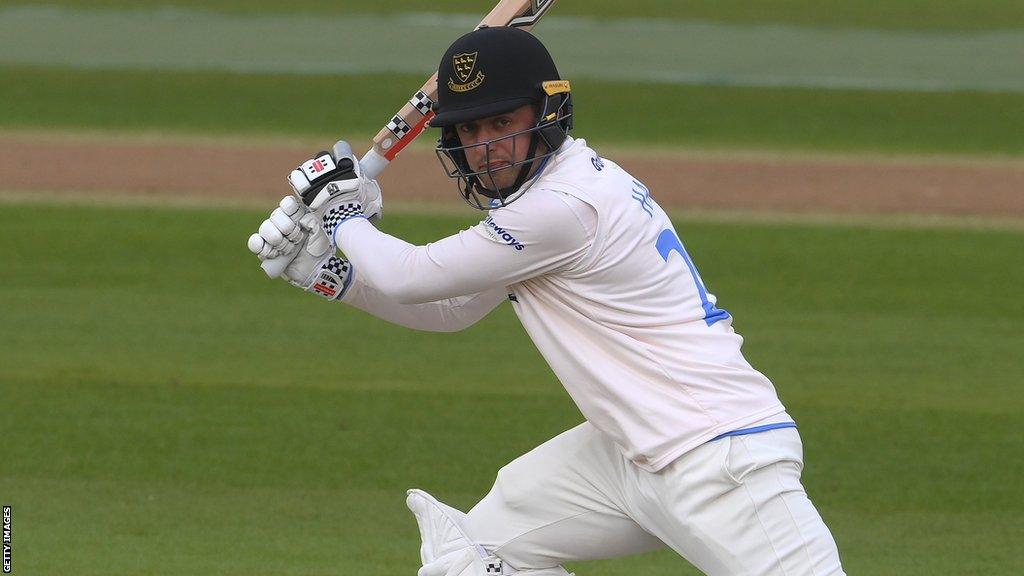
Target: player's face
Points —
{"points": [[498, 158]]}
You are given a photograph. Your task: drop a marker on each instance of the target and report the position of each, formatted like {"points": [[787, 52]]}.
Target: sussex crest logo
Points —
{"points": [[464, 65]]}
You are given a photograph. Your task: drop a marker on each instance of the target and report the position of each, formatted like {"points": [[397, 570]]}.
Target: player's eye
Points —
{"points": [[467, 128]]}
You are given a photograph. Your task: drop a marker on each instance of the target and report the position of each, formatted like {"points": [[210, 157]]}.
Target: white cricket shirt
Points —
{"points": [[604, 287]]}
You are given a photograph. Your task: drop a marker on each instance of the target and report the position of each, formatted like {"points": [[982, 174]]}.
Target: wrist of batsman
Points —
{"points": [[334, 216], [332, 279]]}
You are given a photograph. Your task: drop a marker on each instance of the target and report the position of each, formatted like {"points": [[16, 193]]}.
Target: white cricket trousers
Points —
{"points": [[731, 507]]}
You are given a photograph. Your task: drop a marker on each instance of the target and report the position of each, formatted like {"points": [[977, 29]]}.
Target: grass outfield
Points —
{"points": [[608, 113], [905, 14], [162, 415]]}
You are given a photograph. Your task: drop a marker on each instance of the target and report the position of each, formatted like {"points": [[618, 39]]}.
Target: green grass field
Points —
{"points": [[902, 14], [639, 115], [168, 410], [47, 96], [165, 409]]}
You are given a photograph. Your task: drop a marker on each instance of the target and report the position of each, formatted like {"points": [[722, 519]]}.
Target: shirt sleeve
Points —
{"points": [[539, 233], [449, 315]]}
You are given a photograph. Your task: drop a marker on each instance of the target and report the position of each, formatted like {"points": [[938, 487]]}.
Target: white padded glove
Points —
{"points": [[331, 185], [280, 234], [314, 266]]}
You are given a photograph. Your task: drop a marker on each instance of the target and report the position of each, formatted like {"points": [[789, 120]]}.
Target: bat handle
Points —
{"points": [[371, 165], [274, 267]]}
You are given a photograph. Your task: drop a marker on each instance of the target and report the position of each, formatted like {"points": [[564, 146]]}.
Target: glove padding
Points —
{"points": [[280, 234], [314, 266], [331, 180]]}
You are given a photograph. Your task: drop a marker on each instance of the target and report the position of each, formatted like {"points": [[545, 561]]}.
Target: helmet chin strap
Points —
{"points": [[524, 171]]}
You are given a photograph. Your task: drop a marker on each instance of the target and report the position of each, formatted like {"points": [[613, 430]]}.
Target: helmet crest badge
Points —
{"points": [[464, 65]]}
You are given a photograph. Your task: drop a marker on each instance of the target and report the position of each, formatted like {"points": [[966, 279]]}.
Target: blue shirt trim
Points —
{"points": [[755, 430]]}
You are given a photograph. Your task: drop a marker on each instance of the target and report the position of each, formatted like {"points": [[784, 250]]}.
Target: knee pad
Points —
{"points": [[447, 550]]}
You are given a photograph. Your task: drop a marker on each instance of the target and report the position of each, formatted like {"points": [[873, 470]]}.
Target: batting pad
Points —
{"points": [[441, 526], [447, 550]]}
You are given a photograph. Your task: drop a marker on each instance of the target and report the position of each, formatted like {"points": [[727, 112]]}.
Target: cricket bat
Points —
{"points": [[410, 121]]}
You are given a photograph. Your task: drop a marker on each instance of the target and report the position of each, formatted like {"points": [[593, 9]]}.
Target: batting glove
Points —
{"points": [[280, 234], [300, 236], [331, 184]]}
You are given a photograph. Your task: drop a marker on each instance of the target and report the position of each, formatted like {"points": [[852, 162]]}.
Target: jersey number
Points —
{"points": [[669, 242]]}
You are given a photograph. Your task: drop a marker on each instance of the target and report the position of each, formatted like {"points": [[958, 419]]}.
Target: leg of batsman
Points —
{"points": [[447, 550]]}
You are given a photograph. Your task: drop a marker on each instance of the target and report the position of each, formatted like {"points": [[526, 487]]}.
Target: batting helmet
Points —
{"points": [[493, 71]]}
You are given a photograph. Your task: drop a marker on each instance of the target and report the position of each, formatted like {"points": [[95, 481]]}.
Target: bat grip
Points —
{"points": [[371, 165], [274, 267]]}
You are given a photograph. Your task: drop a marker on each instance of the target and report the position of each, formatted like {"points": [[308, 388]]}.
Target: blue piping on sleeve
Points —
{"points": [[348, 281]]}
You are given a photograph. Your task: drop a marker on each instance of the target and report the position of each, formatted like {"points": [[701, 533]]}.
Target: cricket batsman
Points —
{"points": [[685, 444]]}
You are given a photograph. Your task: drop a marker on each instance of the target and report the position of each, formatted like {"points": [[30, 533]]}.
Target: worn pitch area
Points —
{"points": [[82, 167]]}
